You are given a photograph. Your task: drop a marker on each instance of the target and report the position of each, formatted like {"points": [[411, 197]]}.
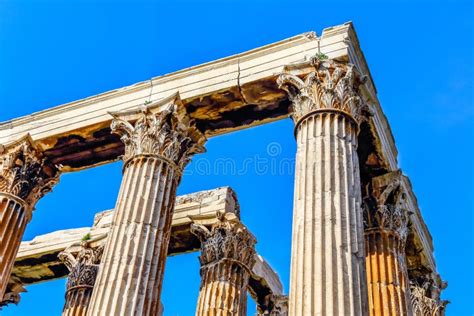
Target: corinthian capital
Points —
{"points": [[25, 173], [274, 305], [228, 239], [83, 266], [389, 212], [323, 85], [425, 298], [160, 129]]}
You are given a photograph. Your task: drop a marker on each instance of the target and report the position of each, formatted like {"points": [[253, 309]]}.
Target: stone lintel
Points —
{"points": [[225, 95]]}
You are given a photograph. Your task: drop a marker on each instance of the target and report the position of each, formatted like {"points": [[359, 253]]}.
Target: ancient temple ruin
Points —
{"points": [[359, 246]]}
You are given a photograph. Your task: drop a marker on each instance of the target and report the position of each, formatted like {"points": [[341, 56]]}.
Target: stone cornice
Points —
{"points": [[150, 89]]}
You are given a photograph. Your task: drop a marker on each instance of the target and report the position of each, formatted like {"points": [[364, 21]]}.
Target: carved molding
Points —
{"points": [[83, 266], [389, 212], [332, 85], [228, 240], [168, 134], [25, 173]]}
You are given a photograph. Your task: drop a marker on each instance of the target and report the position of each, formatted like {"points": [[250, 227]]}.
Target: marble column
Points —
{"points": [[25, 176], [328, 261], [159, 140], [385, 221], [275, 305], [227, 257], [83, 269]]}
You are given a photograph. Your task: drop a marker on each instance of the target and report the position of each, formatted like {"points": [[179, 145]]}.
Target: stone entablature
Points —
{"points": [[243, 80]]}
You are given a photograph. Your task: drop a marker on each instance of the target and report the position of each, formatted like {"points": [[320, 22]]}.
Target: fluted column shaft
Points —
{"points": [[25, 176], [386, 273], [327, 262], [386, 229], [13, 220], [158, 144], [134, 259], [327, 268], [227, 257], [223, 290]]}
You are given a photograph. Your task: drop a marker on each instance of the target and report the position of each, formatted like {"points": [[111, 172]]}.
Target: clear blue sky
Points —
{"points": [[420, 55]]}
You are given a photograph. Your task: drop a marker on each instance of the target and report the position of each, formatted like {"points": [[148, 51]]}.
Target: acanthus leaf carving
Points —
{"points": [[425, 295], [25, 173], [228, 239], [332, 85], [168, 134], [389, 212], [83, 266], [274, 305]]}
